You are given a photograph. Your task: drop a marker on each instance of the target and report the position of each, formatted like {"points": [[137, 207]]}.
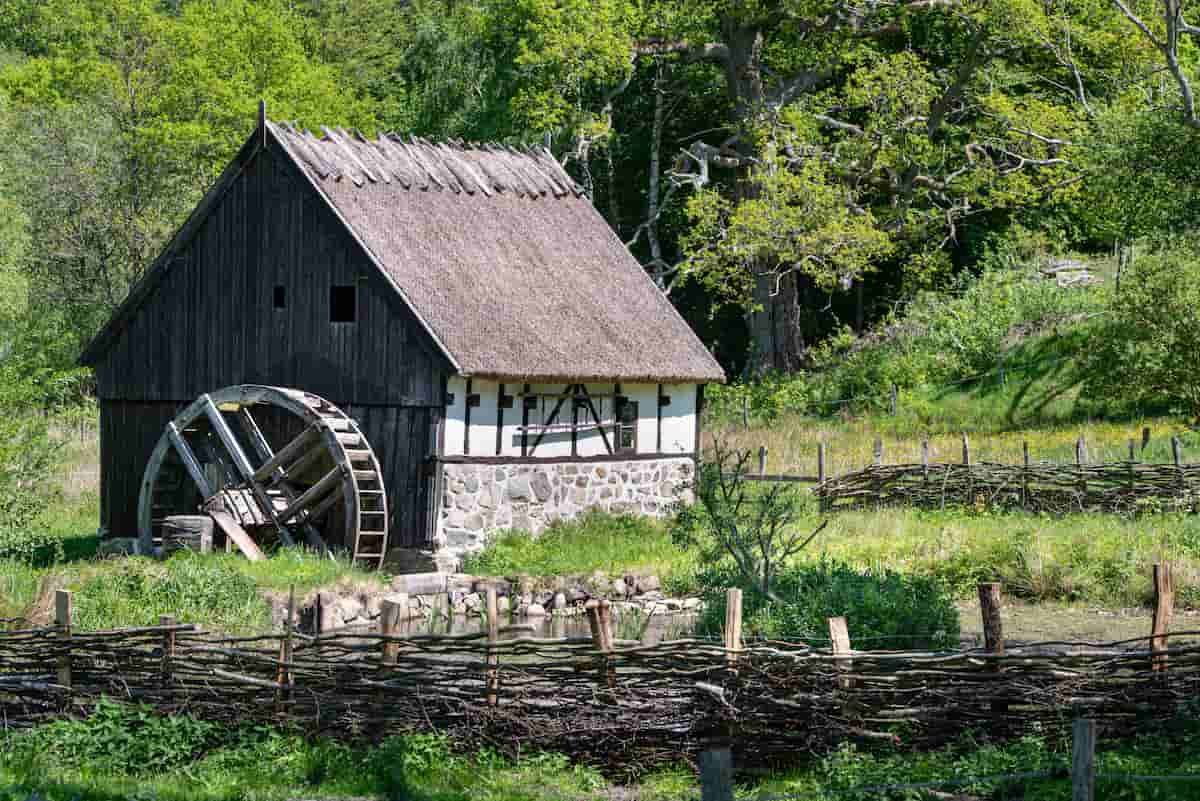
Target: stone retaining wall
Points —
{"points": [[480, 499]]}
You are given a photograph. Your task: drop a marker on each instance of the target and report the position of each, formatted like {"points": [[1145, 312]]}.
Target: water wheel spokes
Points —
{"points": [[323, 483]]}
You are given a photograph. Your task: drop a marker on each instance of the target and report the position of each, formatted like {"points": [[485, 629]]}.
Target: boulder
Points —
{"points": [[618, 588], [648, 584], [560, 600], [348, 609], [535, 610], [420, 583]]}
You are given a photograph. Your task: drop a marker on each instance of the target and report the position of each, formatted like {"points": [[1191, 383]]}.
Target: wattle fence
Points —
{"points": [[618, 703]]}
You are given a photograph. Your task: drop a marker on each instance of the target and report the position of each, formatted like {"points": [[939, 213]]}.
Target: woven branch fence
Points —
{"points": [[623, 705], [1121, 487]]}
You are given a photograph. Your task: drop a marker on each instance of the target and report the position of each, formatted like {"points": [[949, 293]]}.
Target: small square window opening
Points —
{"points": [[342, 304], [280, 297]]}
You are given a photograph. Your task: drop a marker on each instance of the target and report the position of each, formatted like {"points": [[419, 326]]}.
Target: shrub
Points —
{"points": [[119, 738], [26, 458], [1143, 352], [883, 609]]}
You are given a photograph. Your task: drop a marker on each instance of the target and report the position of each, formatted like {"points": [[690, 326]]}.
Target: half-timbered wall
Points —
{"points": [[666, 429], [214, 321]]}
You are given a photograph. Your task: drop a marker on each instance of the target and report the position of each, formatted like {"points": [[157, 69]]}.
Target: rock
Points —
{"points": [[420, 583], [599, 584], [535, 610], [474, 602], [673, 604], [461, 582], [471, 483], [618, 589], [465, 502], [648, 584], [119, 546], [690, 604], [374, 606], [519, 489], [503, 604], [410, 560], [348, 609], [540, 484], [577, 595], [647, 597], [474, 522], [560, 600]]}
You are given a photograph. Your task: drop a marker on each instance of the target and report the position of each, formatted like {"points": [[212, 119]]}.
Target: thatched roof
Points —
{"points": [[501, 256]]}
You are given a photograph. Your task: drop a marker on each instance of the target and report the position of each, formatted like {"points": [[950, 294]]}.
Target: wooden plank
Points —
{"points": [[313, 493], [286, 453], [839, 638], [237, 535], [190, 462]]}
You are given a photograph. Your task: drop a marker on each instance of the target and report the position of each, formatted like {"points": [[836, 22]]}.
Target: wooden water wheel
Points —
{"points": [[321, 484]]}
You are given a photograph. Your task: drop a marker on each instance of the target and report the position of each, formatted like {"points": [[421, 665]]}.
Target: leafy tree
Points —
{"points": [[752, 529]]}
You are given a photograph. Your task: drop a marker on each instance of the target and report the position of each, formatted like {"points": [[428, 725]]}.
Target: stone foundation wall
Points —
{"points": [[480, 499]]}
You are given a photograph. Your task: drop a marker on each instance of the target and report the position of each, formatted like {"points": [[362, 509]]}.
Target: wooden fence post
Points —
{"points": [[839, 637], [168, 647], [733, 624], [1145, 437], [1083, 760], [925, 459], [716, 774], [493, 658], [820, 462], [762, 460], [989, 609], [1025, 474], [1081, 458], [390, 614], [893, 400], [966, 450], [878, 450], [993, 630], [62, 619], [1164, 609], [746, 412], [284, 675]]}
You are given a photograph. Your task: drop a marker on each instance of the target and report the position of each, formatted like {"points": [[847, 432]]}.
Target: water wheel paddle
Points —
{"points": [[265, 460]]}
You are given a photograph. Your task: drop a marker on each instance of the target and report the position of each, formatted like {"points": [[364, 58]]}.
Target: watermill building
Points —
{"points": [[466, 307]]}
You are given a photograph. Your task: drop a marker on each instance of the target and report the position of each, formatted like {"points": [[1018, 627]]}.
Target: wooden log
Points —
{"points": [[1164, 610], [716, 774], [762, 460], [493, 658], [966, 450], [733, 624], [839, 637], [237, 535], [1083, 760], [63, 608]]}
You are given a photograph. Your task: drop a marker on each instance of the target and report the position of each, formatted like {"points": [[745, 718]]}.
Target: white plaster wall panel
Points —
{"points": [[455, 418], [483, 418], [646, 396], [679, 419]]}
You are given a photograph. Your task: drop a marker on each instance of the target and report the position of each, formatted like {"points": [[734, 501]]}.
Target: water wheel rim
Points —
{"points": [[316, 413]]}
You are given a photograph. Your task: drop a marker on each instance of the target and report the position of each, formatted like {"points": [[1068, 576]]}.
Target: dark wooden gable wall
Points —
{"points": [[211, 323]]}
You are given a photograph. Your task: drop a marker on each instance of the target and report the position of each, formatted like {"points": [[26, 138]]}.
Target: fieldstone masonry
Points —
{"points": [[480, 499]]}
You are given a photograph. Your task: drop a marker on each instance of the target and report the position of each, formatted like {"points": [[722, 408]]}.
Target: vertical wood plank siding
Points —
{"points": [[211, 323]]}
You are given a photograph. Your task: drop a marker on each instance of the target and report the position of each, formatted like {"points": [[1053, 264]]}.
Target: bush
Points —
{"points": [[119, 738], [26, 459], [883, 609], [1144, 351]]}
